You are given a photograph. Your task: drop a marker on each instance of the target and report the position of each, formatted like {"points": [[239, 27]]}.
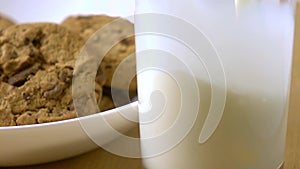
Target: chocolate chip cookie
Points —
{"points": [[26, 48], [87, 25], [39, 62], [89, 28], [36, 69], [5, 22], [45, 97]]}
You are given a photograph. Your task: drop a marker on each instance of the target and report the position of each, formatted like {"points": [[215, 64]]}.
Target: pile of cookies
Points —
{"points": [[37, 67]]}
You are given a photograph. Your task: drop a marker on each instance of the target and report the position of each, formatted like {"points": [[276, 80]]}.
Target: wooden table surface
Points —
{"points": [[100, 159], [292, 156]]}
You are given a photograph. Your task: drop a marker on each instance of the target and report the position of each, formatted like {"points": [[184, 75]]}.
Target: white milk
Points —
{"points": [[254, 46]]}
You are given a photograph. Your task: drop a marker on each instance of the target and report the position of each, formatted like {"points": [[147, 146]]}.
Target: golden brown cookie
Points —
{"points": [[36, 68], [6, 118], [5, 89], [106, 103], [5, 22], [88, 27], [26, 48], [45, 97]]}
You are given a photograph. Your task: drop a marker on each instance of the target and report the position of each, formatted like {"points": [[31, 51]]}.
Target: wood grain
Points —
{"points": [[98, 159], [292, 160]]}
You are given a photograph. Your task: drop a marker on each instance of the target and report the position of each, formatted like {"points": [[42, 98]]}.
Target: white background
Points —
{"points": [[57, 10]]}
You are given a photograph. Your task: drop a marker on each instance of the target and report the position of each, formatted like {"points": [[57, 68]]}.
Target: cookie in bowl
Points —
{"points": [[5, 22], [38, 63], [120, 57], [36, 67]]}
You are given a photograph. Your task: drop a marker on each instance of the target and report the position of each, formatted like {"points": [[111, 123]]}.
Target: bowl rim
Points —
{"points": [[72, 120]]}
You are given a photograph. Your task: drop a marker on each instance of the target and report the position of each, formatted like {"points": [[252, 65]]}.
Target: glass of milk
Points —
{"points": [[213, 82]]}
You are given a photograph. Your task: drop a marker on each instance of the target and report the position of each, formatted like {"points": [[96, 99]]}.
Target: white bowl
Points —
{"points": [[41, 143]]}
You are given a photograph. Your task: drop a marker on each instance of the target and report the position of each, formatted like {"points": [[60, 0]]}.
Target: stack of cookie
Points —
{"points": [[38, 62]]}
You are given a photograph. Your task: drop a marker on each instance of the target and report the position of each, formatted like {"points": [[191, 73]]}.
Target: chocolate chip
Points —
{"points": [[70, 107], [65, 75], [55, 92], [26, 41], [127, 41], [20, 78], [60, 113], [36, 43]]}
